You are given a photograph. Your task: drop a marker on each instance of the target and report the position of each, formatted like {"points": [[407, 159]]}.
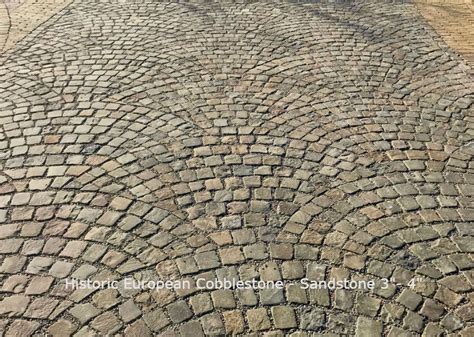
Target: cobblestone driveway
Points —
{"points": [[239, 141]]}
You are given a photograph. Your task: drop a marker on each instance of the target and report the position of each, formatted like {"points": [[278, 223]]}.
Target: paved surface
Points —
{"points": [[272, 141], [455, 24], [18, 18], [4, 25]]}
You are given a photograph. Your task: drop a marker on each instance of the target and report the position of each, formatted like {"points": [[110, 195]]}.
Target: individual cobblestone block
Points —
{"points": [[292, 270], [447, 296], [120, 203], [13, 264], [212, 324], [413, 322], [73, 249], [15, 283], [432, 310], [367, 305], [295, 293], [223, 299], [10, 246], [14, 305], [201, 303], [41, 308], [128, 311], [343, 299], [284, 317], [255, 252], [234, 322], [368, 327], [409, 299], [84, 312], [247, 297], [281, 251], [22, 328], [39, 285], [138, 328], [271, 295], [231, 256], [353, 261], [62, 326], [258, 319], [179, 311], [156, 319], [107, 323], [207, 260], [191, 329], [312, 319], [270, 272]]}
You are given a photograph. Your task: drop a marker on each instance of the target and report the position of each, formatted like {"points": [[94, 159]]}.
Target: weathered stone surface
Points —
{"points": [[84, 312], [312, 319], [137, 329], [156, 319], [258, 319], [41, 308], [129, 311], [212, 324], [14, 305], [61, 328], [22, 328], [284, 317], [179, 311], [367, 327], [234, 322], [251, 141]]}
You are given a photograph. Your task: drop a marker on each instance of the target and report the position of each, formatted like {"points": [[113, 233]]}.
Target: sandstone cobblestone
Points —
{"points": [[245, 141]]}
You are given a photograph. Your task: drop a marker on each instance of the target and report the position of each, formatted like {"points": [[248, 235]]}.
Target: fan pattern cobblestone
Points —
{"points": [[268, 141]]}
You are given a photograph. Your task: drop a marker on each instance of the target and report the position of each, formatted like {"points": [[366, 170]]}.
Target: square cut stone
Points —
{"points": [[84, 312], [223, 299], [284, 317], [258, 319], [156, 319], [179, 311], [234, 322], [201, 303], [366, 327], [39, 285], [409, 299]]}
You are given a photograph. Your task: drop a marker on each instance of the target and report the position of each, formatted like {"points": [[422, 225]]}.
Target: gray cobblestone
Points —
{"points": [[246, 141]]}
